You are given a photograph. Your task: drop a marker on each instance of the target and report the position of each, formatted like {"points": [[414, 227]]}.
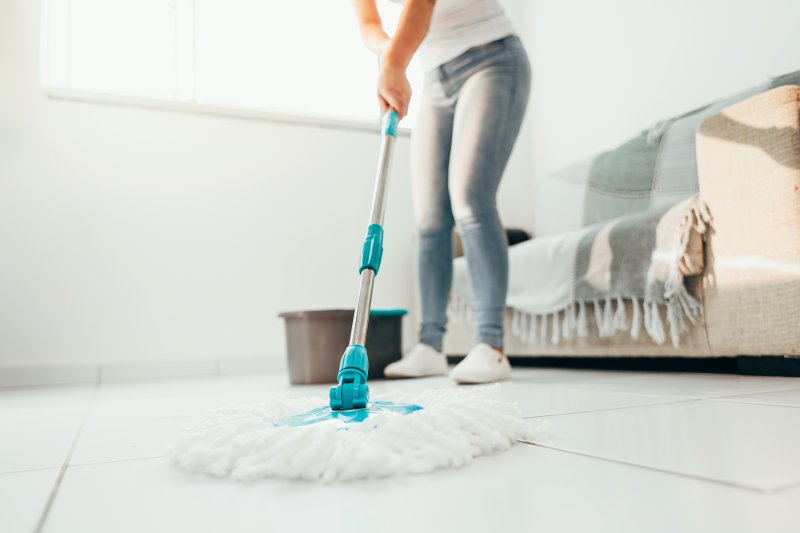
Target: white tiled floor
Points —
{"points": [[37, 426], [754, 446], [625, 451]]}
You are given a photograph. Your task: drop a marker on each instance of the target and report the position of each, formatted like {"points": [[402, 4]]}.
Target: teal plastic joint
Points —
{"points": [[388, 312], [391, 124], [352, 391], [372, 251]]}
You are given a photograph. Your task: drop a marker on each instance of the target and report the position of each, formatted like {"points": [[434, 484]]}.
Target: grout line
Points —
{"points": [[788, 487], [570, 387], [65, 465], [26, 470], [726, 395], [752, 403], [670, 402], [754, 393], [111, 461], [651, 468], [41, 386]]}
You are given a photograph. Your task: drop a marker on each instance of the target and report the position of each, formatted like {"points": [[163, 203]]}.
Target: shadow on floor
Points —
{"points": [[745, 365]]}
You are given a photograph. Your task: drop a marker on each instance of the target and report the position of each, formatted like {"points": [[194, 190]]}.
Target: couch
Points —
{"points": [[746, 275]]}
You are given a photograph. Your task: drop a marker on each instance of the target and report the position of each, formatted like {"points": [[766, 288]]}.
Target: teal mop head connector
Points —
{"points": [[352, 391]]}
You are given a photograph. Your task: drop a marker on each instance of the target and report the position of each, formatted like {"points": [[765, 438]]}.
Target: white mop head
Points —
{"points": [[454, 426]]}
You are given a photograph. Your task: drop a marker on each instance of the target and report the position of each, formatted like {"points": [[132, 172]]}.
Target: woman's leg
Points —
{"points": [[488, 115], [430, 156]]}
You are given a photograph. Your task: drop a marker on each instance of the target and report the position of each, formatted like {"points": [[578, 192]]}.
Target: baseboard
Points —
{"points": [[24, 376], [33, 376], [157, 370], [49, 375], [769, 365]]}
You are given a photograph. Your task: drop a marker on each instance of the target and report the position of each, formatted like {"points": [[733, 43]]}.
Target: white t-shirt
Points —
{"points": [[458, 25]]}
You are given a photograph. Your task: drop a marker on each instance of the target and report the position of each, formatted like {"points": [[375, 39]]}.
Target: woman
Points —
{"points": [[477, 81]]}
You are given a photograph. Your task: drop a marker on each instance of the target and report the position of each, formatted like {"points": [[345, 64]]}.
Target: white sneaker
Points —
{"points": [[421, 361], [483, 364]]}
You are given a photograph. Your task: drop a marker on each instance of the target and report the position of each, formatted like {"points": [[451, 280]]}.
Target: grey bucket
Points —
{"points": [[315, 342]]}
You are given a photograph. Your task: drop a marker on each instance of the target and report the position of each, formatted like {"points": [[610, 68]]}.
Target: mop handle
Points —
{"points": [[372, 250]]}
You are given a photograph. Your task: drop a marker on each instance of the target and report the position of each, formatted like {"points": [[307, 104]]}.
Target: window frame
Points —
{"points": [[186, 101]]}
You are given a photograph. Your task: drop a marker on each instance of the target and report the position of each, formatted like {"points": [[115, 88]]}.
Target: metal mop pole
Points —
{"points": [[352, 391]]}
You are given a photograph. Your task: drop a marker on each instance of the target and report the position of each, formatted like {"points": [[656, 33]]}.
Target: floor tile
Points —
{"points": [[547, 391], [538, 395], [788, 398], [38, 425], [528, 488], [563, 376], [548, 401], [687, 385], [23, 496], [745, 444], [523, 376], [525, 386]]}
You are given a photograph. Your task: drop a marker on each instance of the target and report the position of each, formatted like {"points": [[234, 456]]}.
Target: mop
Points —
{"points": [[352, 437]]}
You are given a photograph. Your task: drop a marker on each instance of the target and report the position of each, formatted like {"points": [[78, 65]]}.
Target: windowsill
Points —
{"points": [[76, 95]]}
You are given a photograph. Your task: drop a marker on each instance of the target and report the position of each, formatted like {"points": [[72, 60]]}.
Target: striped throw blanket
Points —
{"points": [[641, 234], [556, 281]]}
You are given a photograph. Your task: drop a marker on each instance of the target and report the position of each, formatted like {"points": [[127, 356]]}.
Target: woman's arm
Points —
{"points": [[411, 30], [394, 91], [369, 22]]}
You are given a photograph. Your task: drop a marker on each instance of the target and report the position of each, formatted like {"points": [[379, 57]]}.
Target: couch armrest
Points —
{"points": [[748, 160]]}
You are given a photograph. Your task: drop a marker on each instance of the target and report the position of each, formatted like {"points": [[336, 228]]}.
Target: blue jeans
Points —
{"points": [[471, 111]]}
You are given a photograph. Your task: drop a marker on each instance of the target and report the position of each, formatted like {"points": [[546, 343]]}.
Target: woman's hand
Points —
{"points": [[394, 91]]}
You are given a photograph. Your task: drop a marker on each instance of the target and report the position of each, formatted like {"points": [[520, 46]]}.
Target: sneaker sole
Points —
{"points": [[393, 375]]}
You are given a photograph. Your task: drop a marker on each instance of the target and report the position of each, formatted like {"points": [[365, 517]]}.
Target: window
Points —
{"points": [[295, 58]]}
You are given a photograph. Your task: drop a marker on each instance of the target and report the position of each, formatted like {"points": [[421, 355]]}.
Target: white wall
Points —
{"points": [[606, 69], [135, 235], [132, 235]]}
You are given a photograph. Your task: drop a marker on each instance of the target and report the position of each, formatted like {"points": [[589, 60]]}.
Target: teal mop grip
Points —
{"points": [[372, 250], [352, 391], [390, 122]]}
